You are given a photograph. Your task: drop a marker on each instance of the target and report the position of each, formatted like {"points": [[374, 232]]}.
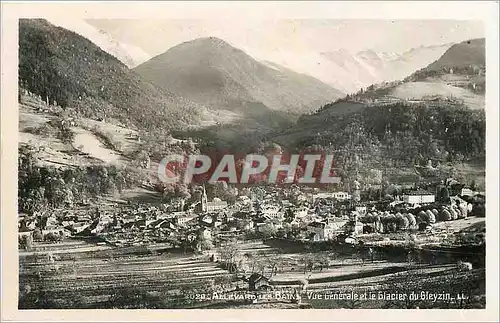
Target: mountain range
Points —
{"points": [[211, 91], [340, 69], [349, 72], [208, 81], [450, 89]]}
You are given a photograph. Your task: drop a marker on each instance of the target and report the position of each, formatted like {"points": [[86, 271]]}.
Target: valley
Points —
{"points": [[98, 228]]}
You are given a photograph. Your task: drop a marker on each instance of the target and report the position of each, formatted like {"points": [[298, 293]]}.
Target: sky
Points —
{"points": [[266, 39]]}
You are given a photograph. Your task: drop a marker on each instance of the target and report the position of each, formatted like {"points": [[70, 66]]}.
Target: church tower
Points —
{"points": [[204, 200]]}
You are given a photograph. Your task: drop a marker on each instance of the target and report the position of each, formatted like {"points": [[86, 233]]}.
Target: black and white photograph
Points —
{"points": [[271, 163]]}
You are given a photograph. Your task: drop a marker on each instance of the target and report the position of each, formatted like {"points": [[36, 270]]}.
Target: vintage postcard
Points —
{"points": [[224, 160]]}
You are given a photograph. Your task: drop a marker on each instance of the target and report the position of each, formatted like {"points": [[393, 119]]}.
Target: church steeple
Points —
{"points": [[204, 200]]}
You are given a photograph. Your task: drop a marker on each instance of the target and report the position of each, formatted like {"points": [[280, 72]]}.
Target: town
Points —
{"points": [[294, 212]]}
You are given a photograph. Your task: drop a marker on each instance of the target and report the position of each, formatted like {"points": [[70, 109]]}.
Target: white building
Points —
{"points": [[328, 195], [244, 199], [467, 192], [419, 198], [183, 217], [272, 211], [215, 206], [322, 196], [341, 195], [324, 231]]}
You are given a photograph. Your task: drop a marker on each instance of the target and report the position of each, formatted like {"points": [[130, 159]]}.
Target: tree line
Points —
{"points": [[401, 131]]}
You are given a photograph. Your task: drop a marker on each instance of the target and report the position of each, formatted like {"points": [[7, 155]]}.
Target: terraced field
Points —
{"points": [[93, 278], [80, 275], [348, 273]]}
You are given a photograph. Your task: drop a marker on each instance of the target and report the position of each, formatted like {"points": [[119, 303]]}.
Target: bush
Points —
{"points": [[422, 217], [26, 242], [453, 212], [430, 217], [478, 210], [52, 237], [402, 221], [463, 211], [411, 220], [445, 215]]}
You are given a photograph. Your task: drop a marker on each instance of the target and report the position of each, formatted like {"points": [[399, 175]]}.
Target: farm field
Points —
{"points": [[348, 273], [91, 278], [419, 90], [82, 275]]}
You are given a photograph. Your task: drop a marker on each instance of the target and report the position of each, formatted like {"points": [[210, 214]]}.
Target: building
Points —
{"points": [[324, 230], [467, 192], [205, 233], [129, 218], [79, 227], [182, 218], [210, 220], [341, 196], [25, 232], [215, 205], [354, 227], [419, 197], [244, 199], [322, 196], [271, 211], [162, 224], [328, 195], [258, 282]]}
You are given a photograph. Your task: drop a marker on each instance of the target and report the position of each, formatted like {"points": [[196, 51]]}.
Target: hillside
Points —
{"points": [[434, 115], [463, 66], [395, 137], [465, 54], [67, 70], [455, 81], [422, 90], [212, 72], [458, 74]]}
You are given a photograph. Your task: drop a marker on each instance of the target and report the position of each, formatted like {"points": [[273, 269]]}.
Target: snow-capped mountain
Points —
{"points": [[349, 72], [128, 54], [368, 67]]}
